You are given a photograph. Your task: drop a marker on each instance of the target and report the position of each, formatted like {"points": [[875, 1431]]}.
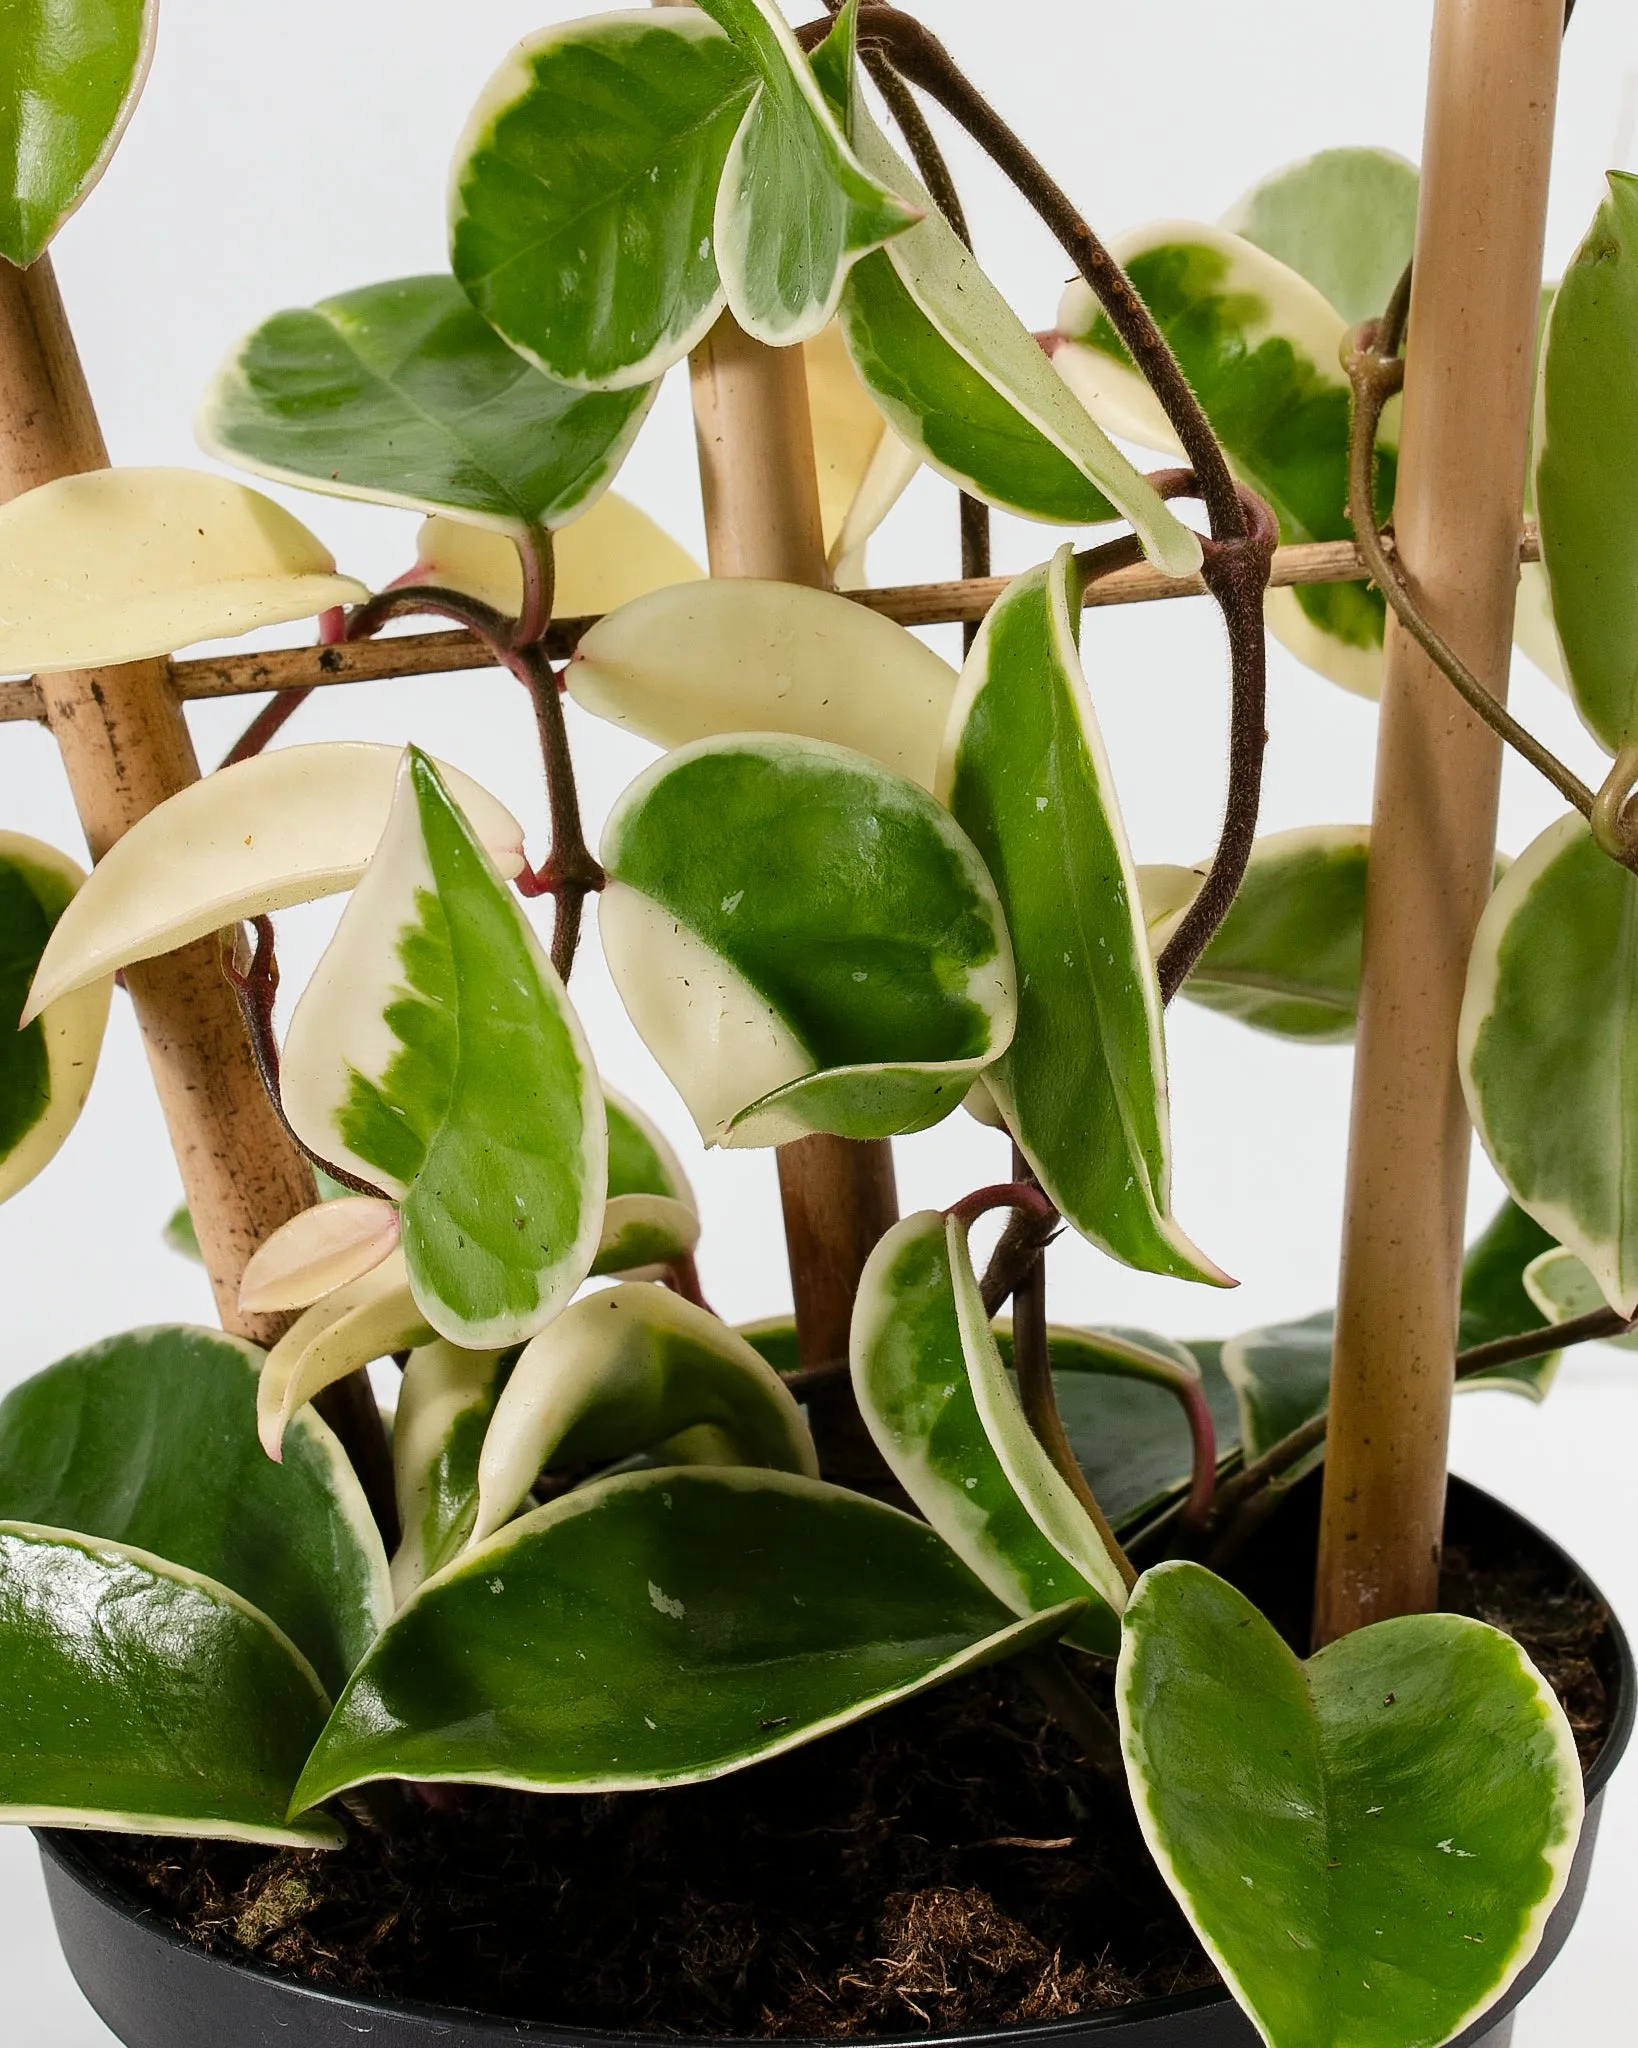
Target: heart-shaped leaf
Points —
{"points": [[47, 1066], [366, 1319], [1587, 468], [583, 193], [796, 208], [122, 563], [444, 1404], [1371, 1855], [283, 828], [1260, 347], [150, 1439], [403, 394], [1345, 219], [139, 1696], [1083, 1085], [935, 1396], [436, 1054], [1561, 1288], [1549, 1014], [660, 1628], [739, 655], [630, 1369], [70, 77], [804, 940], [601, 560]]}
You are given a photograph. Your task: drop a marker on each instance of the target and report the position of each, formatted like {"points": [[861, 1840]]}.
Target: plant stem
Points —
{"points": [[1075, 1710]]}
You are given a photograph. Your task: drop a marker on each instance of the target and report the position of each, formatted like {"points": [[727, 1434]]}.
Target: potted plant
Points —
{"points": [[286, 1683]]}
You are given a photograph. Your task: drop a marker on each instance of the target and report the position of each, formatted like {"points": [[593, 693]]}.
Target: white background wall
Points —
{"points": [[283, 154]]}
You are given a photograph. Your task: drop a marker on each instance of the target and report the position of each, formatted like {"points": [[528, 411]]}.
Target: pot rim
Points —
{"points": [[62, 1847]]}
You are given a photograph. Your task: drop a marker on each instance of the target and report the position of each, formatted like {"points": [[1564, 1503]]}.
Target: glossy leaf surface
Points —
{"points": [[804, 940], [150, 1439], [660, 1628], [1548, 1025], [1083, 1086], [283, 828], [138, 1696], [1498, 1300], [47, 1066], [739, 655], [1370, 1856], [323, 1248], [70, 77], [122, 563], [584, 187], [366, 1319], [625, 1370], [603, 559], [435, 1053], [444, 1404], [936, 1399], [403, 394], [1587, 468], [1281, 1376], [1345, 219]]}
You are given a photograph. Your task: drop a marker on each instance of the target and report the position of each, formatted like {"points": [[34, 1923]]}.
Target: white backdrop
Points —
{"points": [[281, 155]]}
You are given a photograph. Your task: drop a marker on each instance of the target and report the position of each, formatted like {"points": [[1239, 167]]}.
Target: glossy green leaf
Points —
{"points": [[1498, 1300], [796, 208], [444, 1404], [774, 1340], [70, 76], [584, 187], [737, 654], [150, 1439], [1371, 1855], [935, 1396], [660, 1628], [1281, 1376], [1587, 468], [964, 383], [1260, 347], [651, 1216], [46, 1067], [139, 1696], [1548, 1025], [1083, 1086], [1561, 1288], [1345, 219], [627, 1370], [641, 1158], [435, 1053], [804, 940], [403, 394]]}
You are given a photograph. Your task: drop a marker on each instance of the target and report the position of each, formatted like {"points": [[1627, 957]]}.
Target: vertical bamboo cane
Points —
{"points": [[126, 747], [1491, 93]]}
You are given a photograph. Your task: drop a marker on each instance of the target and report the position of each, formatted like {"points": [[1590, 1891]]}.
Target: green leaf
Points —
{"points": [[804, 940], [1587, 468], [46, 1067], [403, 394], [1548, 1024], [435, 1053], [1259, 346], [641, 1160], [1561, 1288], [660, 1628], [1344, 219], [1498, 1300], [150, 1439], [627, 1370], [584, 188], [796, 208], [935, 1397], [651, 1216], [1281, 1376], [773, 1339], [737, 654], [444, 1405], [139, 1696], [1371, 1855], [963, 381], [70, 76], [1083, 1086]]}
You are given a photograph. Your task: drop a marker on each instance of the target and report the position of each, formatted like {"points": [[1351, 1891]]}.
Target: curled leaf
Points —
{"points": [[323, 1248], [365, 1320]]}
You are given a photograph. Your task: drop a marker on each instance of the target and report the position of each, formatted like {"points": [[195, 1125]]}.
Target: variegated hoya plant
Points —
{"points": [[855, 891]]}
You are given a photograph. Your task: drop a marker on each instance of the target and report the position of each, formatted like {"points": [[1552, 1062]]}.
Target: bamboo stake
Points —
{"points": [[1491, 92], [125, 748]]}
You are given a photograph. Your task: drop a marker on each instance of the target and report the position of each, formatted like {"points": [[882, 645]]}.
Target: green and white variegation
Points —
{"points": [[444, 1404], [1345, 219], [1548, 1030], [367, 1319], [435, 1053], [651, 1216], [1083, 1084], [1562, 1288], [804, 940], [636, 1368], [936, 1398]]}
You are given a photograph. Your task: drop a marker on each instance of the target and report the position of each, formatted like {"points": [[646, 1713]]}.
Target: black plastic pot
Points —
{"points": [[155, 1989]]}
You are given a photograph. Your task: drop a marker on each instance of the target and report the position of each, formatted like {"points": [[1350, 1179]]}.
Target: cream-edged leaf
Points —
{"points": [[1345, 219], [1562, 1288], [445, 1400], [283, 828], [602, 560], [118, 564], [366, 1319], [323, 1248]]}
